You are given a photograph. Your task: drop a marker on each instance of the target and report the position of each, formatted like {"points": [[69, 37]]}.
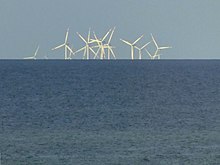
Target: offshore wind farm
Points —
{"points": [[102, 49]]}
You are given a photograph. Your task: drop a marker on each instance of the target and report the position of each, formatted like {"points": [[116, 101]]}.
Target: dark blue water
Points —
{"points": [[110, 112]]}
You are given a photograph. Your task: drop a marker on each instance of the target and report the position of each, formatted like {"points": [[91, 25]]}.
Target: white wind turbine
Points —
{"points": [[152, 57], [101, 45], [140, 49], [132, 45], [34, 56], [71, 53], [65, 45], [110, 51], [87, 47], [109, 47], [158, 48]]}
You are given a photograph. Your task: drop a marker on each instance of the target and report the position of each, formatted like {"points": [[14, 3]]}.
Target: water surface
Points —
{"points": [[110, 112]]}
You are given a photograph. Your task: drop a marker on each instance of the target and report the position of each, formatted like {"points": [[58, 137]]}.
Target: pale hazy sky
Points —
{"points": [[191, 27]]}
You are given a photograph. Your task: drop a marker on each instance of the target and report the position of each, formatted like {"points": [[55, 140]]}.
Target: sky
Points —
{"points": [[191, 27]]}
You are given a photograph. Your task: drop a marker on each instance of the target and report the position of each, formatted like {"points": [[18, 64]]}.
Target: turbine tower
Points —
{"points": [[132, 45], [65, 45], [158, 48], [87, 47], [140, 49], [34, 56]]}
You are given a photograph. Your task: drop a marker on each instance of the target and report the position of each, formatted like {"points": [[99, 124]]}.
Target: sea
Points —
{"points": [[111, 112]]}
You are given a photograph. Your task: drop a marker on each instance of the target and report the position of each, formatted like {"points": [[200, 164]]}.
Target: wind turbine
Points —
{"points": [[140, 49], [34, 56], [132, 45], [157, 47], [101, 45], [87, 47], [65, 45], [109, 47], [152, 57], [110, 51], [71, 53]]}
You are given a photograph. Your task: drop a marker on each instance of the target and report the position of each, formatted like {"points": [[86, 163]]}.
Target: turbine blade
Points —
{"points": [[97, 40], [69, 49], [67, 34], [138, 39], [89, 33], [145, 45], [95, 46], [154, 40], [126, 42], [81, 37], [35, 54], [113, 54], [106, 35], [96, 53], [95, 36], [92, 51], [80, 50], [26, 58], [71, 53], [148, 52], [167, 47], [110, 38], [60, 46], [93, 41], [157, 51], [137, 48]]}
